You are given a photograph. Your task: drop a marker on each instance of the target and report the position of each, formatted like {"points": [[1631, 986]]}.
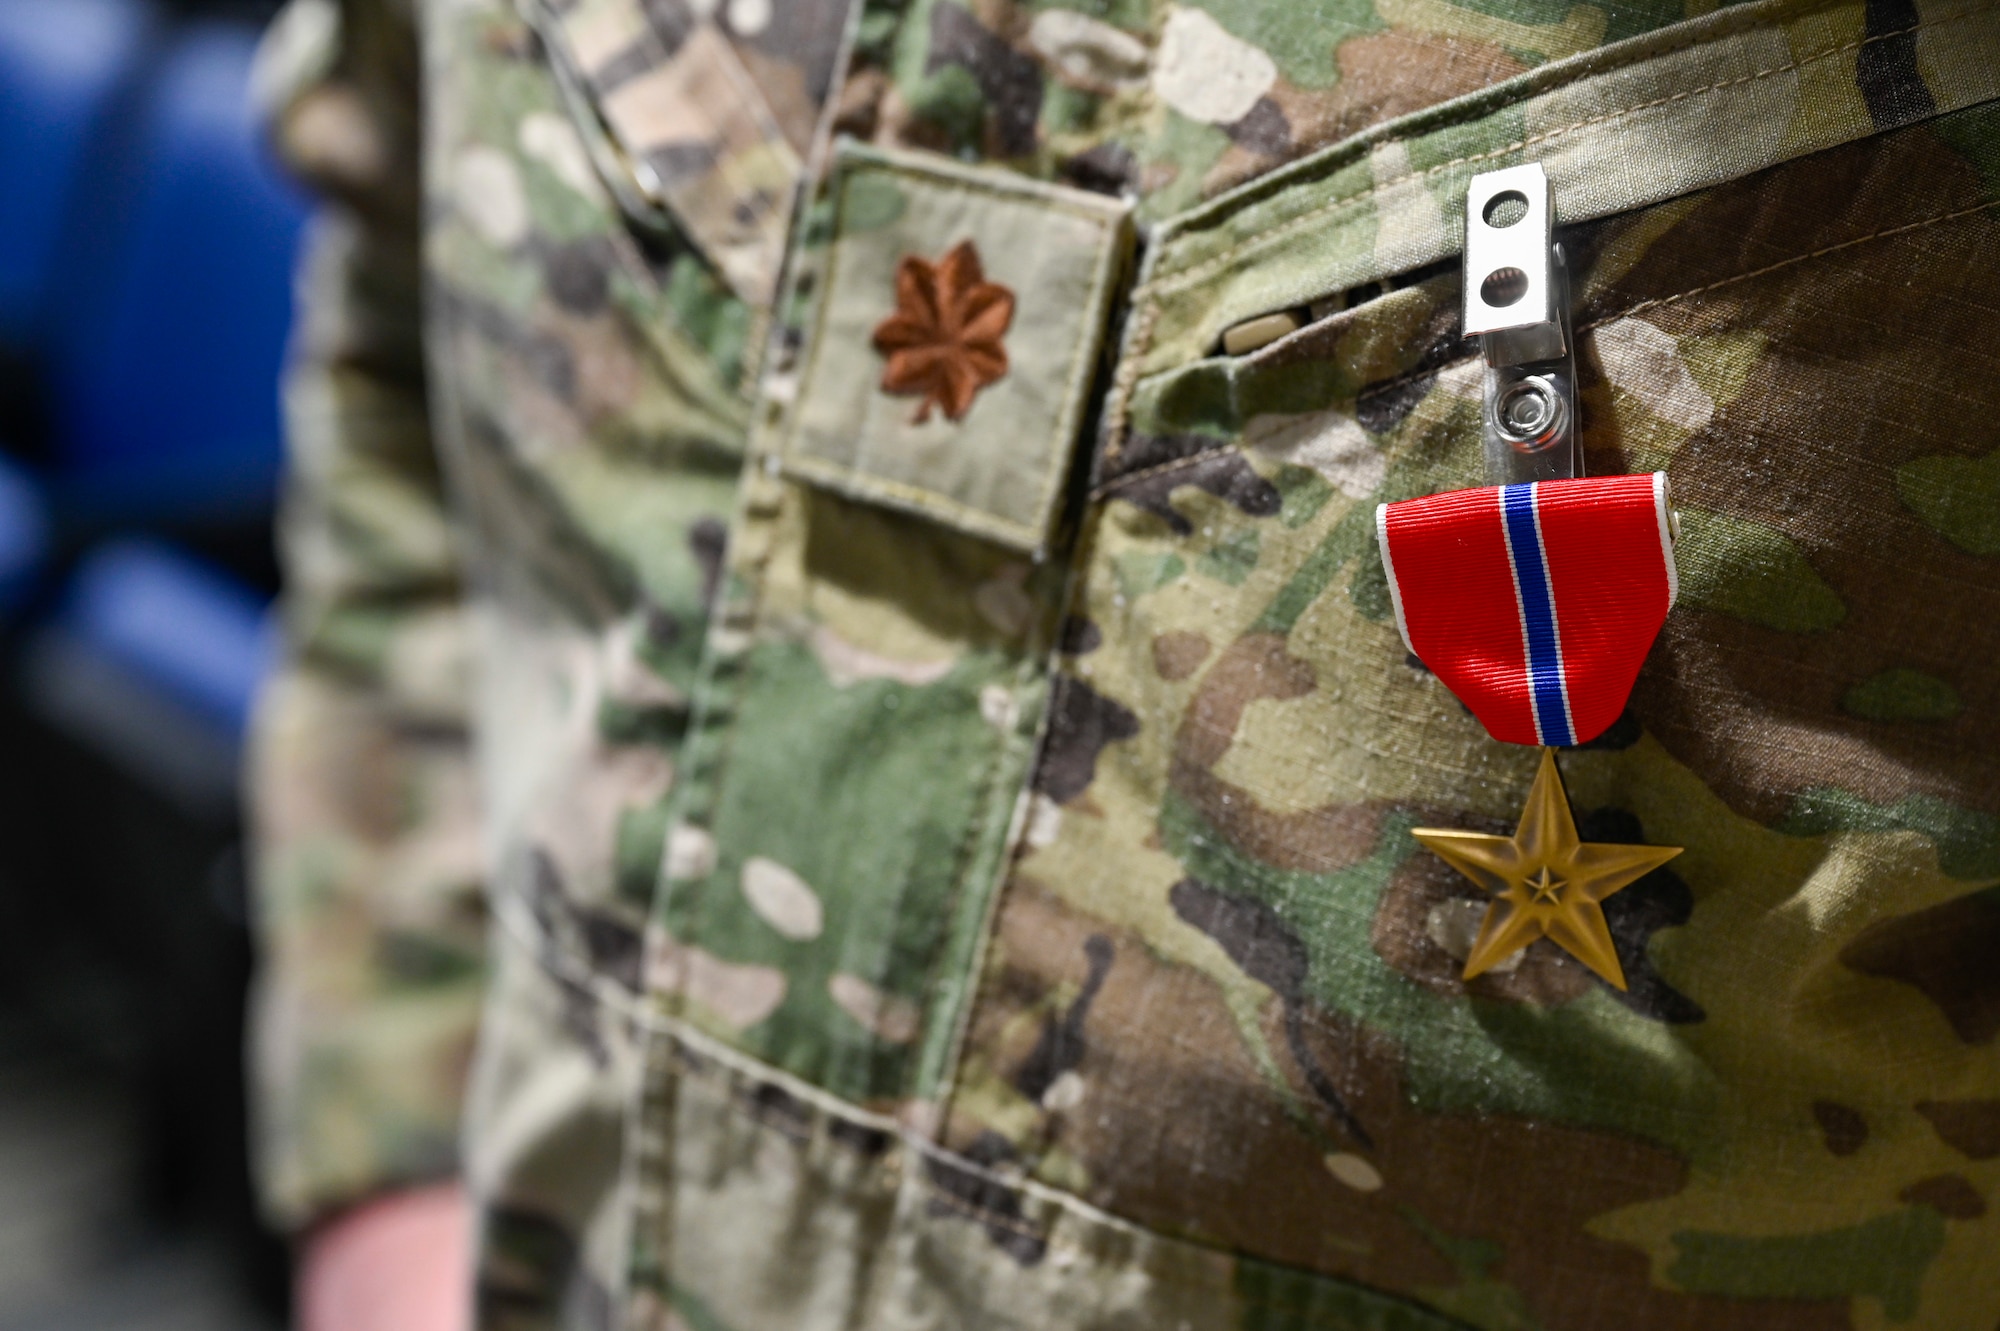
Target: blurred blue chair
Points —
{"points": [[65, 66], [156, 657], [24, 536], [171, 333]]}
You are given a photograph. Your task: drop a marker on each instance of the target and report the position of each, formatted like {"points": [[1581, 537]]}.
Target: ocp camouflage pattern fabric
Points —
{"points": [[933, 870]]}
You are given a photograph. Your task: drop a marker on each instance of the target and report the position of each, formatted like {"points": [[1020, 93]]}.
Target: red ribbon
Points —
{"points": [[1535, 604]]}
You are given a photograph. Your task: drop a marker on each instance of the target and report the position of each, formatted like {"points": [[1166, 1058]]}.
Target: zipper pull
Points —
{"points": [[1517, 305]]}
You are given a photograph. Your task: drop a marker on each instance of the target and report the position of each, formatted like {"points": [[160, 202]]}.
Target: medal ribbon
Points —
{"points": [[1535, 604]]}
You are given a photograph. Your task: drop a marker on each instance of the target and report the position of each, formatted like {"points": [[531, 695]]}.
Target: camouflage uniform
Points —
{"points": [[940, 851]]}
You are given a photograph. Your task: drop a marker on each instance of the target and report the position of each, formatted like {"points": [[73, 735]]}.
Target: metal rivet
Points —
{"points": [[1529, 413], [1527, 409]]}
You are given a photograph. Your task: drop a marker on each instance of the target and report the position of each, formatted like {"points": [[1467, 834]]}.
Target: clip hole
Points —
{"points": [[1505, 208], [1503, 286]]}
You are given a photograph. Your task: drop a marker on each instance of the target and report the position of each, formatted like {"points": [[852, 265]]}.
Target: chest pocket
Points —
{"points": [[878, 670], [1269, 1039]]}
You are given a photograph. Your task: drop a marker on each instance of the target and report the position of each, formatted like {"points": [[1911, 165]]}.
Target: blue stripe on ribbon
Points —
{"points": [[1538, 614]]}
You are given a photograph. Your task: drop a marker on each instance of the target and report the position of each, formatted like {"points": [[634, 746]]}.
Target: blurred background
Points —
{"points": [[146, 248]]}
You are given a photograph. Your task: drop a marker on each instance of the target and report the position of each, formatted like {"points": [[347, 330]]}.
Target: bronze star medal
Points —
{"points": [[1544, 882]]}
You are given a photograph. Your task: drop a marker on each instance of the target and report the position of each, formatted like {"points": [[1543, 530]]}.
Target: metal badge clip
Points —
{"points": [[1517, 305]]}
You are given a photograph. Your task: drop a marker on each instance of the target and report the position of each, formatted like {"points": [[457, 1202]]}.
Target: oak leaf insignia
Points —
{"points": [[943, 343]]}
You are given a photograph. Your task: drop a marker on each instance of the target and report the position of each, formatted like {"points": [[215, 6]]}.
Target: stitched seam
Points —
{"points": [[738, 689], [1795, 259], [1173, 282], [1160, 468], [1372, 390], [1298, 1309], [1016, 191], [1111, 487], [860, 483], [1125, 381], [989, 916], [1070, 601], [1083, 367], [1645, 53], [820, 267], [968, 861]]}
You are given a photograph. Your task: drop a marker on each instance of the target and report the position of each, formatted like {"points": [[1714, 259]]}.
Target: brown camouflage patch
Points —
{"points": [[1756, 710]]}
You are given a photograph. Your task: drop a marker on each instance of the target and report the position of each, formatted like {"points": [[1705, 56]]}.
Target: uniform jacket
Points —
{"points": [[823, 607]]}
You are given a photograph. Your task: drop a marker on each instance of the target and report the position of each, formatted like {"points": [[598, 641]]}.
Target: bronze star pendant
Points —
{"points": [[1544, 882]]}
